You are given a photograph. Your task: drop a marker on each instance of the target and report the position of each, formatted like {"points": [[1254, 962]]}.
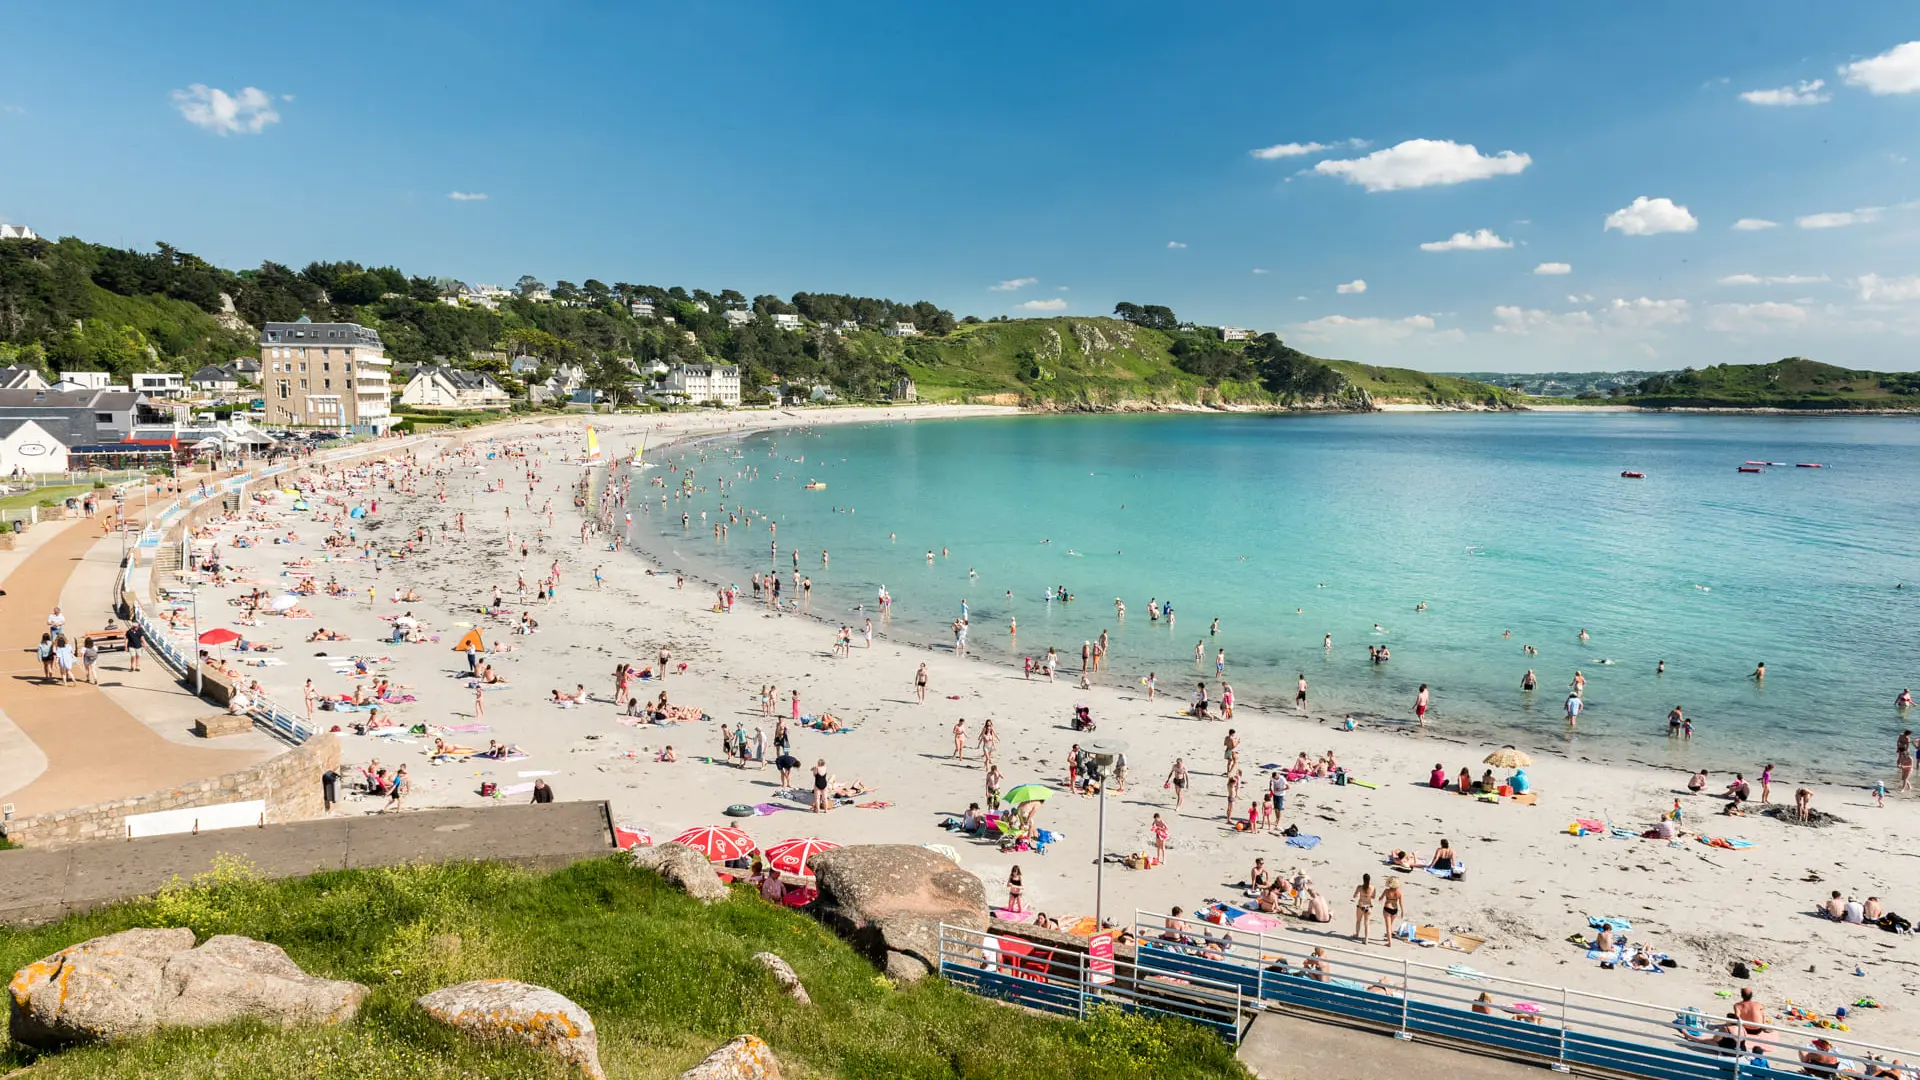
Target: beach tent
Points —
{"points": [[473, 638]]}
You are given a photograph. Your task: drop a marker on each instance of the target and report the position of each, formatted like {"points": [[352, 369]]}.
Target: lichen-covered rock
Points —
{"points": [[502, 1010], [138, 981], [684, 868], [745, 1058], [783, 974], [890, 899]]}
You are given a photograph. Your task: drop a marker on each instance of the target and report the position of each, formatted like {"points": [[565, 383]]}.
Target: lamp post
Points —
{"points": [[199, 678], [1104, 753], [120, 522]]}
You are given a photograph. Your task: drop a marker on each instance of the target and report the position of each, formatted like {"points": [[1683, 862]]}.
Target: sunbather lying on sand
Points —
{"points": [[444, 749], [499, 751], [850, 791], [324, 634]]}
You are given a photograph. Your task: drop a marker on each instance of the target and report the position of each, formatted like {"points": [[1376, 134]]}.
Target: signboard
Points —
{"points": [[197, 819], [1100, 957]]}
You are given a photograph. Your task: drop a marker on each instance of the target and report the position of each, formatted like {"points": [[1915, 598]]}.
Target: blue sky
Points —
{"points": [[1078, 154]]}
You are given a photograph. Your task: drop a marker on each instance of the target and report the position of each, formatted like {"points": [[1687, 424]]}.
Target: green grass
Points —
{"points": [[665, 979], [58, 493], [1792, 383], [1395, 385]]}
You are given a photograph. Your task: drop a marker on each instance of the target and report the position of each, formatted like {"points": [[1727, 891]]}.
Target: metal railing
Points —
{"points": [[1553, 1025], [1054, 978]]}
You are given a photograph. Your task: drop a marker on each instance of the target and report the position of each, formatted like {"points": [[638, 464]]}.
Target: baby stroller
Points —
{"points": [[1082, 717]]}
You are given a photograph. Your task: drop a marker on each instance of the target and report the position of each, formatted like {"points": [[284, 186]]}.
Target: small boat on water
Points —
{"points": [[816, 487], [1766, 463], [1631, 475], [1809, 465], [1751, 468]]}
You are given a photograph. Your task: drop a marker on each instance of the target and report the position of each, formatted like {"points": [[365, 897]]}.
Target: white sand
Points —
{"points": [[1530, 884]]}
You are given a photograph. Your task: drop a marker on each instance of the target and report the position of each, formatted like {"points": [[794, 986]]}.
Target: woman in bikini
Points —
{"points": [[1392, 904], [1015, 891], [1443, 856], [1363, 909], [1178, 779]]}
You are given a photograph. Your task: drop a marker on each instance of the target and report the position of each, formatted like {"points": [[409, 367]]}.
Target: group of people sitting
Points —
{"points": [[1465, 784], [1294, 893]]}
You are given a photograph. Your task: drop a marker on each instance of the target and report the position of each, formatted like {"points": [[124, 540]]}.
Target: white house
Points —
{"points": [[787, 322], [166, 384], [1234, 333], [88, 380], [440, 387], [736, 317], [21, 378], [702, 305], [705, 382], [903, 329], [16, 232], [641, 309], [848, 326], [25, 446]]}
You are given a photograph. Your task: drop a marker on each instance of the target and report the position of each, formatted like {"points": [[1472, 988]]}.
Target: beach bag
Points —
{"points": [[1291, 830], [1459, 873], [1741, 971], [487, 788]]}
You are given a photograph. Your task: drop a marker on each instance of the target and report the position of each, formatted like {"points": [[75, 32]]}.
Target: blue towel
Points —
{"points": [[1619, 924], [1303, 841]]}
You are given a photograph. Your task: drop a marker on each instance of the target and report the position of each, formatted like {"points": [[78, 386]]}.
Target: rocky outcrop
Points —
{"points": [[684, 868], [890, 899], [745, 1058], [138, 981], [502, 1010], [783, 974]]}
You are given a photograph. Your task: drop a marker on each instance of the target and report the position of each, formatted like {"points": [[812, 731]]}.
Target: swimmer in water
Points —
{"points": [[1327, 642], [1377, 629], [1421, 606], [1506, 634], [1759, 672], [1584, 636], [1661, 669]]}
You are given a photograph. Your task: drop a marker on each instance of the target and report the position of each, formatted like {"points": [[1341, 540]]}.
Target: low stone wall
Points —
{"points": [[289, 783]]}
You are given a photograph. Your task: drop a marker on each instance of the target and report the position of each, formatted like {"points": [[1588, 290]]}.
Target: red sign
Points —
{"points": [[1100, 956]]}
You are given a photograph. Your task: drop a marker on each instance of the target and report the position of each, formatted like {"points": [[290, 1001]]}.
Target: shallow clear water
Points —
{"points": [[1289, 528]]}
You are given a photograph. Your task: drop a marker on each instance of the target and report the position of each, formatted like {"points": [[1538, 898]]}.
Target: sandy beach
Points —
{"points": [[1530, 882]]}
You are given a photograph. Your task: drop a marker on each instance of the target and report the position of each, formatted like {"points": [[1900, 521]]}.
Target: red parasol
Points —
{"points": [[717, 842], [219, 636], [790, 856]]}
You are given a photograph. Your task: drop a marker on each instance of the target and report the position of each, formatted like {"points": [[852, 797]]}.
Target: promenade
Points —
{"points": [[89, 747]]}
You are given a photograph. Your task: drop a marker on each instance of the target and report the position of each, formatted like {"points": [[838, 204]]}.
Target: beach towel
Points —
{"points": [[1463, 972], [1254, 922], [1615, 921], [765, 808], [875, 805], [529, 774], [1726, 842], [513, 789], [1457, 867], [1618, 954], [1009, 915], [464, 729], [1303, 841]]}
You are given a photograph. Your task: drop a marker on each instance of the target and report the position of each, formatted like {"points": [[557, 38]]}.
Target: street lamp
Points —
{"points": [[1103, 753]]}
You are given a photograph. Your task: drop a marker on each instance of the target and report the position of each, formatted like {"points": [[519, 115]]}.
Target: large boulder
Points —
{"points": [[890, 899], [745, 1058], [502, 1010], [684, 868], [138, 981]]}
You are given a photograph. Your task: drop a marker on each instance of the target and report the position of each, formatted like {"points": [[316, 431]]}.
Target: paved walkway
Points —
{"points": [[1283, 1047], [94, 749]]}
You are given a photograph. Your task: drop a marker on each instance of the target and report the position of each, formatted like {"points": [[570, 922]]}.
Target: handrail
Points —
{"points": [[1631, 1036]]}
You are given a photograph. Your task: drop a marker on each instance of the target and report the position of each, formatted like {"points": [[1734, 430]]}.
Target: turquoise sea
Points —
{"points": [[1288, 528]]}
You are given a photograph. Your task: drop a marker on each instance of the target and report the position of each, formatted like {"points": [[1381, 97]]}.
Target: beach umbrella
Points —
{"points": [[1027, 793], [790, 856], [282, 603], [717, 842], [944, 849], [1508, 758], [219, 635]]}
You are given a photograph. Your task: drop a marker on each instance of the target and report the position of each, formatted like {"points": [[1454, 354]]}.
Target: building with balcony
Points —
{"points": [[332, 375]]}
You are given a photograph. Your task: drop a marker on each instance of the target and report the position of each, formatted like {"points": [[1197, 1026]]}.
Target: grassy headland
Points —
{"points": [[665, 979], [1792, 383]]}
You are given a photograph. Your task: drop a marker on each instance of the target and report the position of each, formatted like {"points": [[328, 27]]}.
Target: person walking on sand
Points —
{"points": [[820, 786], [1300, 693], [1160, 832], [1177, 780], [1363, 909], [1277, 790], [1392, 905], [1903, 758], [960, 739], [993, 787], [1766, 785], [1153, 684], [1230, 749], [795, 705], [479, 701], [920, 685], [1420, 702], [1233, 791], [989, 739], [307, 694]]}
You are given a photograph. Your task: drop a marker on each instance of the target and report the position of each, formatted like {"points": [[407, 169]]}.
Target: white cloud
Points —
{"points": [[1511, 319], [1011, 284], [1478, 240], [1063, 288], [1645, 312], [1295, 149], [1175, 244], [1419, 163], [1648, 217], [1261, 270], [1896, 71], [246, 113], [1755, 318], [1055, 304], [466, 196], [1839, 219], [1553, 268], [1807, 93], [1366, 329], [1754, 224], [1583, 298], [1781, 279], [13, 110], [1892, 290], [1355, 286]]}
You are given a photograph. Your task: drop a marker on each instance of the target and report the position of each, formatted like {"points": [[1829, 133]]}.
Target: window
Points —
{"points": [[286, 391], [349, 384], [303, 365], [303, 384], [326, 384], [325, 366]]}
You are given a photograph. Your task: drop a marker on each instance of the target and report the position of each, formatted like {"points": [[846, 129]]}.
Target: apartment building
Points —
{"points": [[333, 375]]}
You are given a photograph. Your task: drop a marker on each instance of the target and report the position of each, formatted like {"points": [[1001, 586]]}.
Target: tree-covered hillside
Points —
{"points": [[71, 305], [1792, 383]]}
